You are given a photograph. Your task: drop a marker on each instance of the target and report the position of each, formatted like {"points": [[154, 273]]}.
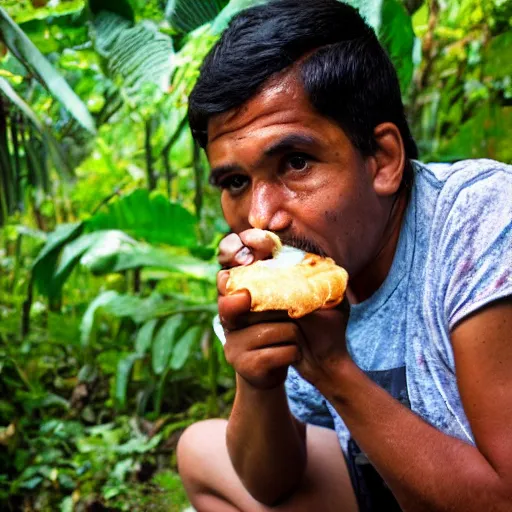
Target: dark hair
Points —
{"points": [[346, 73]]}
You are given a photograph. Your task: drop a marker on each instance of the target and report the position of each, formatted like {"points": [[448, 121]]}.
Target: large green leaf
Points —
{"points": [[185, 16], [183, 347], [139, 58], [44, 266], [164, 342], [21, 46], [107, 256], [151, 218]]}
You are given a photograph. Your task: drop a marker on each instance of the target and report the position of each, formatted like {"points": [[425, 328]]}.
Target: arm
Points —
{"points": [[426, 469], [266, 443]]}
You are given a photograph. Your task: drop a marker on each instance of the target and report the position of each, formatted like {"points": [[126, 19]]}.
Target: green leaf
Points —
{"points": [[45, 264], [145, 336], [21, 46], [397, 36], [485, 135], [151, 218], [87, 324], [163, 343], [498, 56], [394, 29], [105, 257], [185, 16], [124, 368], [183, 347], [139, 58]]}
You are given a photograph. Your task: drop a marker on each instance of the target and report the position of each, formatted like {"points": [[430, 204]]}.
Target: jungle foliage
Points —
{"points": [[108, 226]]}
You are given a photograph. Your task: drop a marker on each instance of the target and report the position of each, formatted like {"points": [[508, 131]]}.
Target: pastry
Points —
{"points": [[292, 280]]}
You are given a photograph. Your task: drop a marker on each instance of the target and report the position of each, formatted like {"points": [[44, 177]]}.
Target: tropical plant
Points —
{"points": [[109, 228]]}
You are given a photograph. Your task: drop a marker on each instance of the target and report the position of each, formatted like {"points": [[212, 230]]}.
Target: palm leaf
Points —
{"points": [[139, 59], [185, 16], [25, 51]]}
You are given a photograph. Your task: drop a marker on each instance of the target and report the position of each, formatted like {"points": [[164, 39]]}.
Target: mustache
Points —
{"points": [[302, 243]]}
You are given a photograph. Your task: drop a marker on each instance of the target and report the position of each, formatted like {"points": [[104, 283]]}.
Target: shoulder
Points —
{"points": [[470, 237], [452, 180]]}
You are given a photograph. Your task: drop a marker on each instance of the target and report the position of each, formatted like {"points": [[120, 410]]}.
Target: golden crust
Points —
{"points": [[300, 289]]}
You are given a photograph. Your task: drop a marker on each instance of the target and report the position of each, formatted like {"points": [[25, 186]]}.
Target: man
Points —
{"points": [[407, 404]]}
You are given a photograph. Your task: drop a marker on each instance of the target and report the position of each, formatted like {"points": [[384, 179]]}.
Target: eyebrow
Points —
{"points": [[287, 143]]}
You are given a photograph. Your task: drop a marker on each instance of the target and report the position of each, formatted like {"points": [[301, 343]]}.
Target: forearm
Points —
{"points": [[426, 469], [265, 442]]}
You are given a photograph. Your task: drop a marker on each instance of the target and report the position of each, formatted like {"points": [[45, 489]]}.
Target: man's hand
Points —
{"points": [[261, 346]]}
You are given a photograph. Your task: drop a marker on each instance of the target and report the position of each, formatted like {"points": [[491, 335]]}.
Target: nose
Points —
{"points": [[267, 208]]}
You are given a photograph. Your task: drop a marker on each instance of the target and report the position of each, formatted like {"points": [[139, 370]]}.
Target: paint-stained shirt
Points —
{"points": [[454, 256]]}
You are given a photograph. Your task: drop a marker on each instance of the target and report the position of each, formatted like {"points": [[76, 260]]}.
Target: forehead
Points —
{"points": [[281, 106]]}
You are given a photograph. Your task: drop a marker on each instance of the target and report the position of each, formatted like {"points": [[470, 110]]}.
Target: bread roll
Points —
{"points": [[293, 281]]}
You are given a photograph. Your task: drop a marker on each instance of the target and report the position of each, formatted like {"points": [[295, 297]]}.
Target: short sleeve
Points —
{"points": [[306, 403], [471, 260]]}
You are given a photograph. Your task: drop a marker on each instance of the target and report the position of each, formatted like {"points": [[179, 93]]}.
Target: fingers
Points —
{"points": [[260, 243], [222, 280], [233, 252], [251, 245], [270, 345], [233, 308]]}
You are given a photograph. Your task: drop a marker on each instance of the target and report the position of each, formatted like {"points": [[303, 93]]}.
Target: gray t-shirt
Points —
{"points": [[454, 255]]}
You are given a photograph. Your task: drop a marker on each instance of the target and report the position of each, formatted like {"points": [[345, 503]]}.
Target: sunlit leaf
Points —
{"points": [[21, 46]]}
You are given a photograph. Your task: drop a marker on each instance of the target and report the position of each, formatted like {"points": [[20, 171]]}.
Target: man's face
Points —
{"points": [[283, 167]]}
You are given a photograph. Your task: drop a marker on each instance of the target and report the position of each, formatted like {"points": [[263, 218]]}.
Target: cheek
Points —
{"points": [[235, 212]]}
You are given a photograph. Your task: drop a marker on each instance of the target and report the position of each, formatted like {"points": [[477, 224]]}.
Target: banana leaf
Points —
{"points": [[149, 217]]}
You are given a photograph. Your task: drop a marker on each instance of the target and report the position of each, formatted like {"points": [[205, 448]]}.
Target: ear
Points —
{"points": [[387, 164]]}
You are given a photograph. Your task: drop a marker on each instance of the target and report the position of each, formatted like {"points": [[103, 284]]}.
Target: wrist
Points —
{"points": [[249, 391]]}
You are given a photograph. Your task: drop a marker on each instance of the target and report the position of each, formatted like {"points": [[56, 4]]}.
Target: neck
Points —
{"points": [[373, 274]]}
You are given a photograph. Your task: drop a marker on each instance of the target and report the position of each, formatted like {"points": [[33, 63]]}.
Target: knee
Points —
{"points": [[196, 448]]}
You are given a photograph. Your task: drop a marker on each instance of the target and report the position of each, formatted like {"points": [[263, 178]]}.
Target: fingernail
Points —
{"points": [[244, 256]]}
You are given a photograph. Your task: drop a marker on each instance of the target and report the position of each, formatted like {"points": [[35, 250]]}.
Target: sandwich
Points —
{"points": [[292, 280]]}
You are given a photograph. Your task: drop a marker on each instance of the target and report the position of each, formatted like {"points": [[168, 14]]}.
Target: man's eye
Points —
{"points": [[298, 162], [234, 184]]}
